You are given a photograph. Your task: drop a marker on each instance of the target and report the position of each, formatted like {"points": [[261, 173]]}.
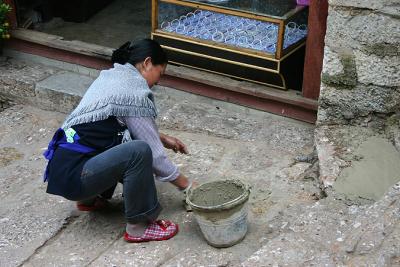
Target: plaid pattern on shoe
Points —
{"points": [[156, 231]]}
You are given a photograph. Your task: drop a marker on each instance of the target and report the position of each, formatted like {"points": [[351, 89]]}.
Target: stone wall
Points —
{"points": [[360, 84], [361, 70]]}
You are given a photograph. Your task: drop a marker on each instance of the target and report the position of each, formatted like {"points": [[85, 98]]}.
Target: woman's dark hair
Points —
{"points": [[137, 52]]}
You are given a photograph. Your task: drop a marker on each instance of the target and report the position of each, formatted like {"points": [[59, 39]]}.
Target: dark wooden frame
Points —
{"points": [[317, 17]]}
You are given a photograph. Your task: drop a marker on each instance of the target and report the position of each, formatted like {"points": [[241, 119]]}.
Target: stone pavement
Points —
{"points": [[291, 221]]}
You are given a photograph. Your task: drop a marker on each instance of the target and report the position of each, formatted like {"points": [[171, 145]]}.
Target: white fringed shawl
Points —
{"points": [[120, 91]]}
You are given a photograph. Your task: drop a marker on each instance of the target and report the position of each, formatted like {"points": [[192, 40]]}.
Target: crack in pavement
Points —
{"points": [[70, 219]]}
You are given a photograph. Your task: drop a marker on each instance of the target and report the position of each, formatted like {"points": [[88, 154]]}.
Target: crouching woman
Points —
{"points": [[87, 157]]}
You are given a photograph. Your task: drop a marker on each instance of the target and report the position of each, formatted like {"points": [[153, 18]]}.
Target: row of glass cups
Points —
{"points": [[233, 30]]}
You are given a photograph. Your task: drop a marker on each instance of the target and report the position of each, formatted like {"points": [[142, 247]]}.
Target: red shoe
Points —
{"points": [[99, 203], [156, 231]]}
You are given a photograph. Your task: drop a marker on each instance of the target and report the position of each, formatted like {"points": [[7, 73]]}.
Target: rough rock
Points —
{"points": [[391, 7], [373, 69], [354, 28], [336, 104], [294, 172], [373, 237], [330, 164], [360, 93], [332, 62]]}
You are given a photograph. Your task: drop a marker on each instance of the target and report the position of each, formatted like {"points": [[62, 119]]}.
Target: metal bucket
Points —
{"points": [[220, 210]]}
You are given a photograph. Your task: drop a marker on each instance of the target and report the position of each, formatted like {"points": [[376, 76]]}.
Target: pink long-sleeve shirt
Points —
{"points": [[145, 129]]}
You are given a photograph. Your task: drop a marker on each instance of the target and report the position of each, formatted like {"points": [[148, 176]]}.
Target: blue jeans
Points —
{"points": [[132, 164]]}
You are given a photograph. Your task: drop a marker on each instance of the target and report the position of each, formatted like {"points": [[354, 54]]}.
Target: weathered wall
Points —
{"points": [[360, 82], [361, 75]]}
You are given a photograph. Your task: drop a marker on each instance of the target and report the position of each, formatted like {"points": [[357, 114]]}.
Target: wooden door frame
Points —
{"points": [[317, 16]]}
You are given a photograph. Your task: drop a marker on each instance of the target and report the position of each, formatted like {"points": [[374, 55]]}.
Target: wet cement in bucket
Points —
{"points": [[216, 193], [221, 211]]}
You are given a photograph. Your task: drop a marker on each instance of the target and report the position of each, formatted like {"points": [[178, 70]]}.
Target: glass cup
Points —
{"points": [[271, 48], [248, 21], [250, 39], [208, 14], [251, 27], [190, 16], [191, 30], [174, 24], [197, 32], [242, 41], [303, 29], [181, 29], [291, 27], [257, 44], [198, 13], [230, 39], [183, 20], [205, 34], [218, 37], [214, 28], [166, 26]]}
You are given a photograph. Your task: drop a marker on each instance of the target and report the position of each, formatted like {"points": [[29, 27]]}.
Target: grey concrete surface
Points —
{"points": [[47, 237], [361, 163], [350, 235], [291, 221]]}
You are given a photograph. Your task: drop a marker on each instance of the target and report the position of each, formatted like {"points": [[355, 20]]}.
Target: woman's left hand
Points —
{"points": [[173, 143]]}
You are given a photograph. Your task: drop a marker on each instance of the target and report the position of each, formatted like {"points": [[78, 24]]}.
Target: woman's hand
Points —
{"points": [[182, 182], [173, 143]]}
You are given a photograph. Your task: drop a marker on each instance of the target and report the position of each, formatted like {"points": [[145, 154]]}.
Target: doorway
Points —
{"points": [[108, 23]]}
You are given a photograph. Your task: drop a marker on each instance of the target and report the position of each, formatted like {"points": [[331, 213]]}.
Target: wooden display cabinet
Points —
{"points": [[260, 41]]}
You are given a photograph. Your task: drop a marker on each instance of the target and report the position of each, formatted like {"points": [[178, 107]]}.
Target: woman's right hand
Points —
{"points": [[181, 182]]}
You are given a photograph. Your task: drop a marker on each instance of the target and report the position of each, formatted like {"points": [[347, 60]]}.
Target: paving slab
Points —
{"points": [[28, 216]]}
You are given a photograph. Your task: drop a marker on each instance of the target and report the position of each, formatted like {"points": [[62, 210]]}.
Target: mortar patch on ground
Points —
{"points": [[9, 155], [377, 170]]}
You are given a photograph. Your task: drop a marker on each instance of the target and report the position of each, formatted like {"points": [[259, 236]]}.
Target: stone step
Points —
{"points": [[61, 91], [39, 85]]}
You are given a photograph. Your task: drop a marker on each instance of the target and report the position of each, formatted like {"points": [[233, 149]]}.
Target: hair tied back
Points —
{"points": [[137, 52], [122, 54]]}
